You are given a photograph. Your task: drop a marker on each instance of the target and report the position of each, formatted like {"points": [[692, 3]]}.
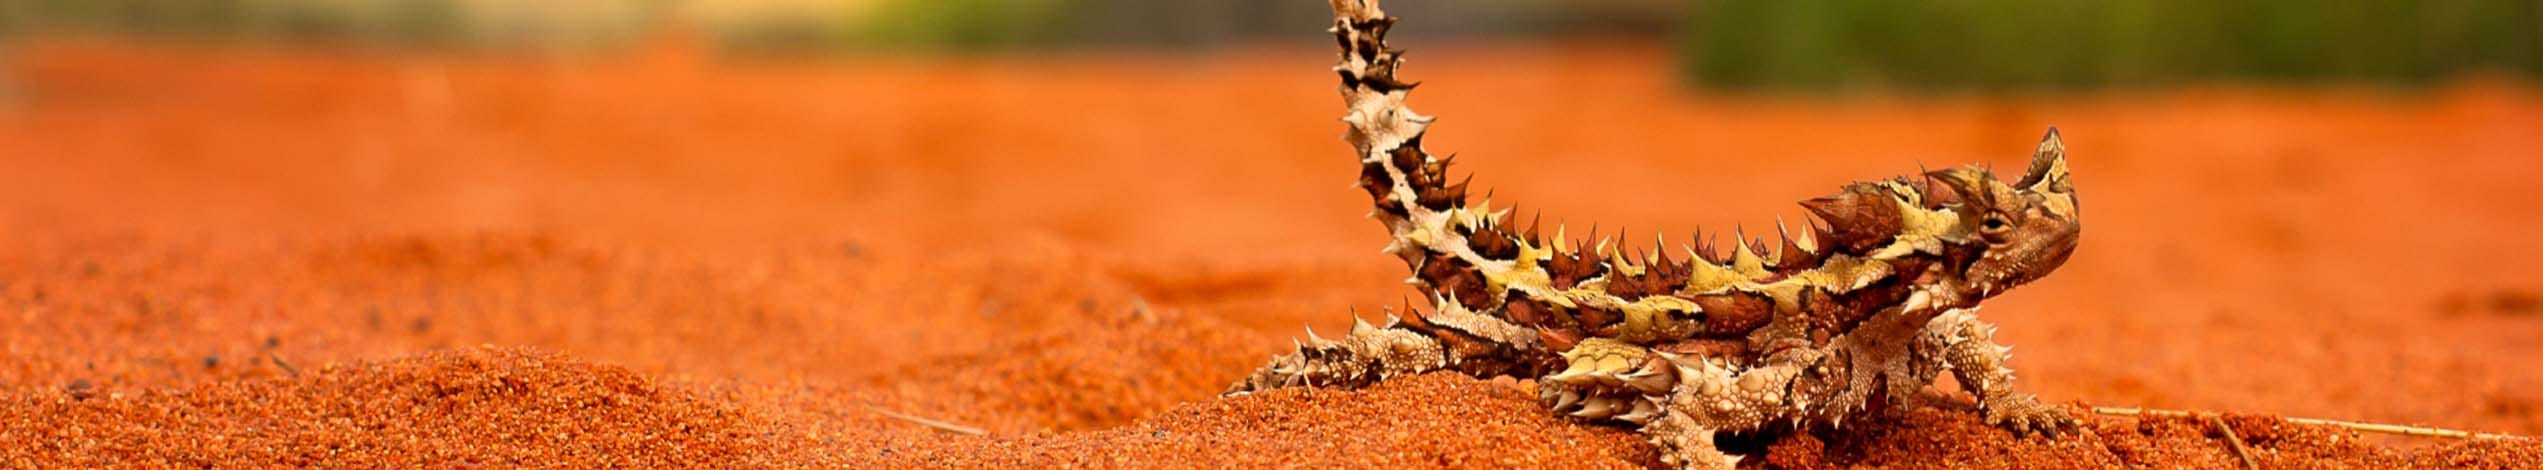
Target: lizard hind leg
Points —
{"points": [[1605, 379], [1368, 354], [1450, 338]]}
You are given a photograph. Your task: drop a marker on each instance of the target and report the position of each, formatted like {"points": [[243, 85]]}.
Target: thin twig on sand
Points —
{"points": [[2236, 441], [285, 365], [2366, 427], [939, 425], [1139, 309]]}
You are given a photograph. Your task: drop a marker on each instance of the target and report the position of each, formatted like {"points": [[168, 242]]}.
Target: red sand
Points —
{"points": [[254, 257]]}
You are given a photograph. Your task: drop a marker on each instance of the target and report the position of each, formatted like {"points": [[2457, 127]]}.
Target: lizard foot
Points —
{"points": [[2025, 415], [1685, 445]]}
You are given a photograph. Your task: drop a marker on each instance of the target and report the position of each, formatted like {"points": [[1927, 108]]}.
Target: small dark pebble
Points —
{"points": [[2454, 304], [420, 325], [81, 389], [2514, 302], [273, 342], [211, 361], [1160, 434]]}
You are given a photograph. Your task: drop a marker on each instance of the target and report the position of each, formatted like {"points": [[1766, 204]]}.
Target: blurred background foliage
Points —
{"points": [[1809, 45], [2014, 44]]}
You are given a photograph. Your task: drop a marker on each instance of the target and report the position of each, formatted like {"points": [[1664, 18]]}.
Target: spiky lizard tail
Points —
{"points": [[1430, 223]]}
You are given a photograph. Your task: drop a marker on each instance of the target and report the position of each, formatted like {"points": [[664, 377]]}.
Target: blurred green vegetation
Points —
{"points": [[963, 23], [458, 23], [2015, 45], [794, 26], [965, 26], [1809, 45]]}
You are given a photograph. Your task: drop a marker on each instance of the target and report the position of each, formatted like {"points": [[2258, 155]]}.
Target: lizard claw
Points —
{"points": [[2024, 415]]}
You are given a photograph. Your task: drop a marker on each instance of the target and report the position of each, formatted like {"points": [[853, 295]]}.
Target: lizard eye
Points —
{"points": [[1994, 227]]}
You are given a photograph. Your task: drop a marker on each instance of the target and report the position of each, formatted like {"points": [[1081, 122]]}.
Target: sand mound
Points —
{"points": [[293, 258], [516, 406], [506, 407]]}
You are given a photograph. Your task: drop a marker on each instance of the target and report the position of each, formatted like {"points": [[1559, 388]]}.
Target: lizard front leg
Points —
{"points": [[1711, 397], [1959, 341]]}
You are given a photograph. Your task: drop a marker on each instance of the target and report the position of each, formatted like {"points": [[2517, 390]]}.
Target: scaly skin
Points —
{"points": [[1812, 329]]}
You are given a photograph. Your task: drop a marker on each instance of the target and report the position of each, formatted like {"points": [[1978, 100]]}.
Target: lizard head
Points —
{"points": [[2024, 229]]}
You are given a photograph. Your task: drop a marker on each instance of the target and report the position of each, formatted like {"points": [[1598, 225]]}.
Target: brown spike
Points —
{"points": [[1618, 244], [1451, 276], [1629, 288], [1658, 274], [1598, 321], [1860, 218], [1740, 241], [1793, 257], [1443, 198], [1495, 241], [1558, 340], [1665, 275], [1933, 193], [1374, 179], [1567, 270], [1706, 249], [2048, 165], [1526, 311], [1411, 311], [1824, 234], [1408, 159], [1735, 312], [1377, 27], [1534, 237], [1410, 318], [1387, 83], [1968, 183]]}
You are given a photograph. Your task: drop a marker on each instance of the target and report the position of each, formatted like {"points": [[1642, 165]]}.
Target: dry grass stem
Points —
{"points": [[2236, 441], [939, 425], [2365, 427]]}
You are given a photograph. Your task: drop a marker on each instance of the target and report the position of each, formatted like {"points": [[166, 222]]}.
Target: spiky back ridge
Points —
{"points": [[1719, 300]]}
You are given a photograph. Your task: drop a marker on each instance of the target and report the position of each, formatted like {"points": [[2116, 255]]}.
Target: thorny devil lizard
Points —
{"points": [[1813, 329]]}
